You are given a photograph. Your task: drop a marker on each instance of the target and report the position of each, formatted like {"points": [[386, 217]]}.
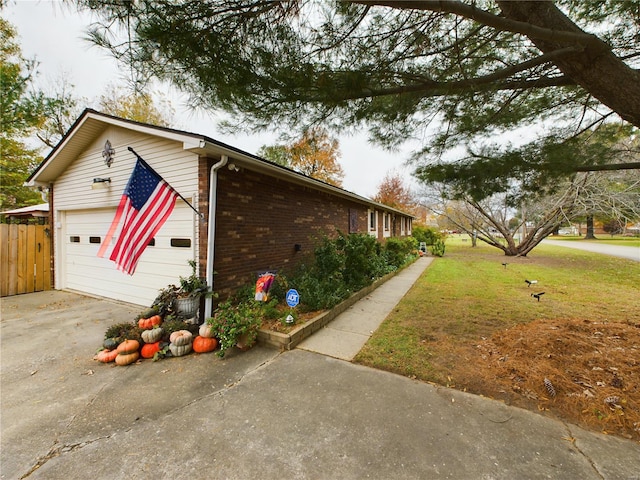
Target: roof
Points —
{"points": [[92, 123], [33, 210]]}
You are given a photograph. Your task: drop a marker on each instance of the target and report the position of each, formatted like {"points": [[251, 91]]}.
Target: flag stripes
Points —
{"points": [[146, 203]]}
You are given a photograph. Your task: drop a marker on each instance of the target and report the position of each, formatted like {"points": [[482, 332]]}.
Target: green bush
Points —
{"points": [[341, 266], [398, 251], [438, 248], [427, 235]]}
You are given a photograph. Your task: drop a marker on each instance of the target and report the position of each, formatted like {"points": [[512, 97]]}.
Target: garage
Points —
{"points": [[165, 258]]}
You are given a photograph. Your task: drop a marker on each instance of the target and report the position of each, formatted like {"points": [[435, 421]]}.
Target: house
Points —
{"points": [[33, 214], [255, 215]]}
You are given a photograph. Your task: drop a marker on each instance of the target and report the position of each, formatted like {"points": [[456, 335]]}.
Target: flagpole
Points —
{"points": [[201, 215]]}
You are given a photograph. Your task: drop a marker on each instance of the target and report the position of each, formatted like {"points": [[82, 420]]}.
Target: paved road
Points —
{"points": [[631, 253]]}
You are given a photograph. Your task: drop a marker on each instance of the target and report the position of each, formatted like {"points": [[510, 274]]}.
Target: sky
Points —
{"points": [[53, 34]]}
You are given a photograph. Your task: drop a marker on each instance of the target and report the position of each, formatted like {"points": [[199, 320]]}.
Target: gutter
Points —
{"points": [[211, 234]]}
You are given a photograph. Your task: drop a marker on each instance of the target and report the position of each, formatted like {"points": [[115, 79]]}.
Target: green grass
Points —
{"points": [[468, 294]]}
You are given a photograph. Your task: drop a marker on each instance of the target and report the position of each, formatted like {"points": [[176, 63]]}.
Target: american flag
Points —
{"points": [[146, 203]]}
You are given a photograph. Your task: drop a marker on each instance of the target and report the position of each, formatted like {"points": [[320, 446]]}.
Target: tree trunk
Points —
{"points": [[594, 68], [590, 231]]}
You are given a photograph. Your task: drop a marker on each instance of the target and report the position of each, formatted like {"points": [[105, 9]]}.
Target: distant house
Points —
{"points": [[256, 215], [32, 214]]}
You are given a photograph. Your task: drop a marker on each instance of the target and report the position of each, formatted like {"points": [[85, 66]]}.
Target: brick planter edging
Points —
{"points": [[288, 341]]}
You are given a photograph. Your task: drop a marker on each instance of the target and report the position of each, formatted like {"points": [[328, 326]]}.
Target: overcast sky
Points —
{"points": [[53, 34]]}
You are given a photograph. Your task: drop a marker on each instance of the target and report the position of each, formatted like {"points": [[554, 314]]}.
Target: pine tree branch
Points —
{"points": [[487, 18]]}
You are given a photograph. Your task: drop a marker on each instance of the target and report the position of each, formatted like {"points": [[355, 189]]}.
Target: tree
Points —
{"points": [[62, 112], [136, 106], [393, 192], [456, 73], [315, 154], [275, 153], [495, 222], [612, 197], [22, 111]]}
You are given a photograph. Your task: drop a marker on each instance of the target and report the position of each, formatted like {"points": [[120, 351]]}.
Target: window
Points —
{"points": [[372, 220], [74, 239], [386, 221], [152, 243], [94, 239], [181, 242]]}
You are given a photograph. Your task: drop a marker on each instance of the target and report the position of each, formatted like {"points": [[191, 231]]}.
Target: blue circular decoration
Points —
{"points": [[293, 298]]}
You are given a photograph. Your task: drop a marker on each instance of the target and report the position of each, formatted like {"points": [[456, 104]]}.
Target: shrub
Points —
{"points": [[398, 251], [427, 235], [438, 248]]}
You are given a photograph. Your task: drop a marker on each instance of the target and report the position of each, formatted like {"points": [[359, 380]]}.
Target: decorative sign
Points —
{"points": [[108, 153], [293, 298]]}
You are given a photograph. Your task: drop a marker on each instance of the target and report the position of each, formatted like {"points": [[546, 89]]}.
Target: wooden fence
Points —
{"points": [[25, 259]]}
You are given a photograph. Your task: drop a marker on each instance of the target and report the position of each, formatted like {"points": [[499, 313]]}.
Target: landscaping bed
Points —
{"points": [[273, 333]]}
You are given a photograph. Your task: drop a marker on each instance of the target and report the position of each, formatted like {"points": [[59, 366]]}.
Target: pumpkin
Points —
{"points": [[127, 358], [152, 336], [206, 331], [106, 356], [148, 350], [204, 344], [110, 343], [128, 346], [181, 337], [150, 322], [179, 350]]}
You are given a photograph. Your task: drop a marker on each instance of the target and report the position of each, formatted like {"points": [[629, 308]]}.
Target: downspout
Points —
{"points": [[211, 234]]}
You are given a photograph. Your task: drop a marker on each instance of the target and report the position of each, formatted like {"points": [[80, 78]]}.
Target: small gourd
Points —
{"points": [[181, 337], [148, 350], [204, 344], [152, 336], [180, 350], [127, 358], [110, 343], [206, 331], [128, 346], [106, 356]]}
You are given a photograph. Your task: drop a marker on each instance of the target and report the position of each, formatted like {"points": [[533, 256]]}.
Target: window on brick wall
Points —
{"points": [[372, 220]]}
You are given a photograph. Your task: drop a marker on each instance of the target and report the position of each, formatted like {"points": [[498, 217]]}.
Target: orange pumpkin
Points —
{"points": [[149, 350], [128, 346], [127, 358], [204, 344], [106, 356], [150, 322]]}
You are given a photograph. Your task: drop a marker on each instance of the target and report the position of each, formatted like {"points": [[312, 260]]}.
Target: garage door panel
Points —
{"points": [[159, 265]]}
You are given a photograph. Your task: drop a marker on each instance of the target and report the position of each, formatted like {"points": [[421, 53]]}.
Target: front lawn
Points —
{"points": [[471, 323]]}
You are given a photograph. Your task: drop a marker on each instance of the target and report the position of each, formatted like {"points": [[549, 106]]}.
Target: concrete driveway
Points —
{"points": [[258, 414]]}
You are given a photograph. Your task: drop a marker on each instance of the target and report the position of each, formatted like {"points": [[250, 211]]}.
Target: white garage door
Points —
{"points": [[163, 261]]}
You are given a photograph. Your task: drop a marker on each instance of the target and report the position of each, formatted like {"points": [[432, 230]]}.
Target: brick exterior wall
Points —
{"points": [[260, 220]]}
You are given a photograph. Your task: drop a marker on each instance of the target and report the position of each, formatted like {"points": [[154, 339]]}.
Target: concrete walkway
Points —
{"points": [[345, 336]]}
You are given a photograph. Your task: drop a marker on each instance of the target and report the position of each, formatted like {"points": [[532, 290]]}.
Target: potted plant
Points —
{"points": [[235, 326], [183, 300]]}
